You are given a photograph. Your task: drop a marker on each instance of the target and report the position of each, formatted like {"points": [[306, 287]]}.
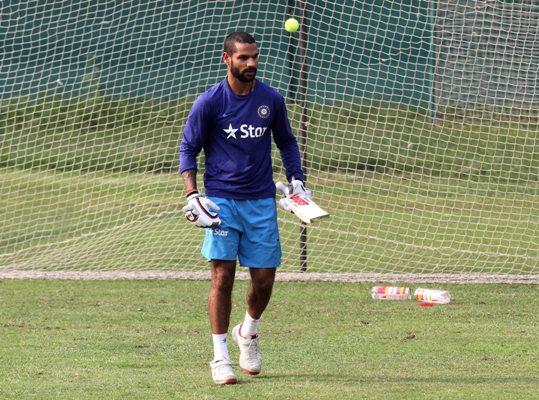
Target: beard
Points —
{"points": [[242, 76]]}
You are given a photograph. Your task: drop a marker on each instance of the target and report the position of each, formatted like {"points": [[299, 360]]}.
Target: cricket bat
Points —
{"points": [[304, 208]]}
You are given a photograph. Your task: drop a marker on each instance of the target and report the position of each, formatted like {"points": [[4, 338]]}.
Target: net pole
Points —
{"points": [[435, 46], [303, 79]]}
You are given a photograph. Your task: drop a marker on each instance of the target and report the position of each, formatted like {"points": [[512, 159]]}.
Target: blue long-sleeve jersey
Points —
{"points": [[235, 133]]}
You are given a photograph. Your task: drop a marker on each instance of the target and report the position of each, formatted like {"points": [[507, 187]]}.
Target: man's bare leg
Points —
{"points": [[219, 308]]}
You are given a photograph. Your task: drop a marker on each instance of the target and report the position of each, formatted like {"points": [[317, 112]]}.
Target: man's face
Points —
{"points": [[243, 63]]}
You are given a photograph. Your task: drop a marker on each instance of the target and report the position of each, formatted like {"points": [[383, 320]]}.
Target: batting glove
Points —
{"points": [[283, 205], [297, 187], [200, 211]]}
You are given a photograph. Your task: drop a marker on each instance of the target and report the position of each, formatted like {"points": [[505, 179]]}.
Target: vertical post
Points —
{"points": [[297, 92], [302, 98], [292, 90], [435, 46]]}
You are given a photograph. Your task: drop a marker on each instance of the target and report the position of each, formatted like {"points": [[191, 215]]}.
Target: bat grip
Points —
{"points": [[281, 186]]}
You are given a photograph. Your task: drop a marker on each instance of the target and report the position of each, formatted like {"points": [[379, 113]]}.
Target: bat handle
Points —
{"points": [[281, 186]]}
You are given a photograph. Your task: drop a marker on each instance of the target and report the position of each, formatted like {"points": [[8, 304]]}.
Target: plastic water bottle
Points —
{"points": [[390, 293], [432, 296]]}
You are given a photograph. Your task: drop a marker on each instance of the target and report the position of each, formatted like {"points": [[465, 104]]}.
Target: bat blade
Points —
{"points": [[305, 209]]}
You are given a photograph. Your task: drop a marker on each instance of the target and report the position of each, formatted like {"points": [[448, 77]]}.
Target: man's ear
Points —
{"points": [[226, 59]]}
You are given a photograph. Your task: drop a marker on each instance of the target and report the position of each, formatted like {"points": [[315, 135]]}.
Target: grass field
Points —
{"points": [[119, 135], [150, 340], [92, 184], [379, 223]]}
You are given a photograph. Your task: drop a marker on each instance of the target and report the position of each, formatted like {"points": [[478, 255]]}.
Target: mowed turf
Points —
{"points": [[320, 340], [379, 223]]}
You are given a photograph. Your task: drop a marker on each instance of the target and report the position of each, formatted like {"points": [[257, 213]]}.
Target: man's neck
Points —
{"points": [[239, 87]]}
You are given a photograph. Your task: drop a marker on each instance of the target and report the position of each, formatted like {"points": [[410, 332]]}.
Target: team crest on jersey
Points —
{"points": [[263, 111]]}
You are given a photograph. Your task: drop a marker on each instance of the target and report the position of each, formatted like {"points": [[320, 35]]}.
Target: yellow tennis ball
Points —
{"points": [[291, 25]]}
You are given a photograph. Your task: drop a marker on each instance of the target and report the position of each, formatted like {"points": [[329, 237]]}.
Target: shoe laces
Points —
{"points": [[252, 347]]}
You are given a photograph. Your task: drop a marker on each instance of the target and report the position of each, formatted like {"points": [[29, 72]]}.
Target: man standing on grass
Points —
{"points": [[233, 122]]}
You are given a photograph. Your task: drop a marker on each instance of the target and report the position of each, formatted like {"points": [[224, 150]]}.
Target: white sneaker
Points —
{"points": [[221, 372], [250, 356]]}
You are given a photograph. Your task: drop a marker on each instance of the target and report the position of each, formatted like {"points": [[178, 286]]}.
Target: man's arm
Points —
{"points": [[200, 211], [194, 134], [189, 181], [287, 143]]}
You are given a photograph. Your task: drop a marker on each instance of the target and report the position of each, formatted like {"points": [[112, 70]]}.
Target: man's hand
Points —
{"points": [[297, 187], [200, 211], [298, 200]]}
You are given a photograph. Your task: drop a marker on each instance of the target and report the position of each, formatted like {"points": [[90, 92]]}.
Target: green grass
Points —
{"points": [[150, 340], [103, 133], [379, 223], [386, 138], [93, 134], [92, 184]]}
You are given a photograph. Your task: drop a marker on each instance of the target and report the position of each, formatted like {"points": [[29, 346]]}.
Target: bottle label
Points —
{"points": [[390, 293], [432, 295]]}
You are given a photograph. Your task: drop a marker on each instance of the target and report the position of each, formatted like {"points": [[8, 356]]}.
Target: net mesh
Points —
{"points": [[421, 120]]}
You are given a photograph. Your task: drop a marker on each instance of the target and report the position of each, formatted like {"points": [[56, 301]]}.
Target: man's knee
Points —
{"points": [[263, 286], [223, 273], [262, 280]]}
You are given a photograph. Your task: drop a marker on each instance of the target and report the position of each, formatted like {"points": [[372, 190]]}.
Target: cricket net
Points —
{"points": [[418, 122]]}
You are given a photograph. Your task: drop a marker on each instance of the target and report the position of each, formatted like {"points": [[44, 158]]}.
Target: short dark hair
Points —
{"points": [[237, 37]]}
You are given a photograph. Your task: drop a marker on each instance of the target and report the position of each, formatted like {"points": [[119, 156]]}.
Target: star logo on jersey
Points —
{"points": [[231, 132]]}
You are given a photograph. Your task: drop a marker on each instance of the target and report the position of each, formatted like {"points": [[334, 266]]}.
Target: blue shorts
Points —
{"points": [[248, 232]]}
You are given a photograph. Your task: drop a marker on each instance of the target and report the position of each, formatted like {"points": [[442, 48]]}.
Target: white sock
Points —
{"points": [[249, 326], [220, 348]]}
